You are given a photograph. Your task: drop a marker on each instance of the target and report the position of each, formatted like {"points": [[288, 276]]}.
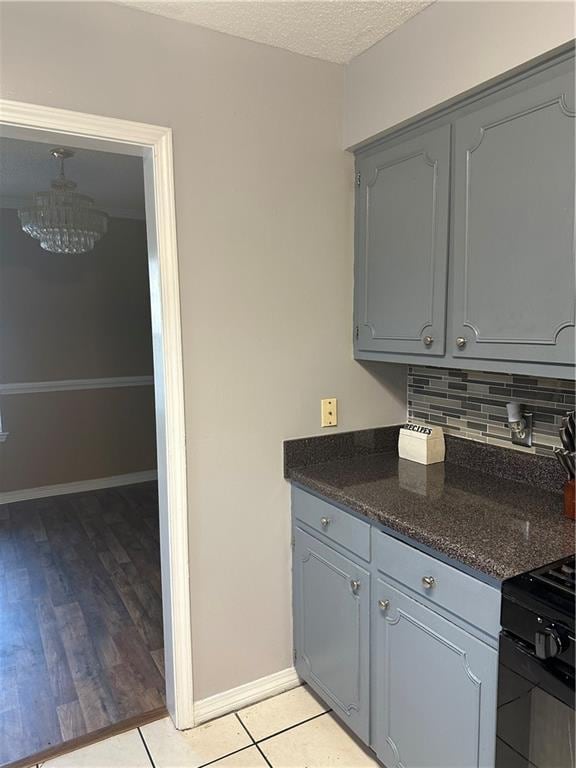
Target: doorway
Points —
{"points": [[152, 145]]}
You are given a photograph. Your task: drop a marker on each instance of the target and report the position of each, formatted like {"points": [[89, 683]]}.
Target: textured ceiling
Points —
{"points": [[116, 182], [333, 30]]}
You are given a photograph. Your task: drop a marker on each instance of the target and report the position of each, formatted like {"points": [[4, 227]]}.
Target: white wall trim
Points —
{"points": [[244, 695], [154, 144], [79, 486], [113, 382]]}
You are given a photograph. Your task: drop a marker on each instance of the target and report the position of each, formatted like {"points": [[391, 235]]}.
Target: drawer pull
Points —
{"points": [[355, 585], [428, 582], [383, 604], [325, 522], [428, 341], [461, 342]]}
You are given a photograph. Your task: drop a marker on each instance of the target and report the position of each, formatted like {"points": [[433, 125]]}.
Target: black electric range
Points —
{"points": [[535, 727]]}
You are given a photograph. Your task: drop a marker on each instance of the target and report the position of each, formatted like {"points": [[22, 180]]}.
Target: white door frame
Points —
{"points": [[154, 144]]}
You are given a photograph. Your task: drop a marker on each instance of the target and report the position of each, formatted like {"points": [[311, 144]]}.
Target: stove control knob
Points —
{"points": [[548, 643]]}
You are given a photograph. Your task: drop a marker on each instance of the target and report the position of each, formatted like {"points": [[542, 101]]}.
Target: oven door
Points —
{"points": [[535, 727]]}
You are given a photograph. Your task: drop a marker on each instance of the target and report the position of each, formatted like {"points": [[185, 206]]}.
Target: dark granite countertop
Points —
{"points": [[489, 523]]}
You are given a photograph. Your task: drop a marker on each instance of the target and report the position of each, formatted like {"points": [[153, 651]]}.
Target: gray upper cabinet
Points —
{"points": [[401, 246], [435, 688], [465, 230], [331, 629], [513, 242]]}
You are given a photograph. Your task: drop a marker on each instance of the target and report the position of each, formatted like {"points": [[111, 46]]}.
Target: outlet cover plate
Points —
{"points": [[329, 412], [526, 438]]}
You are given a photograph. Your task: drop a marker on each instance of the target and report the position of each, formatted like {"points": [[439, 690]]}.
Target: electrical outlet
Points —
{"points": [[329, 412]]}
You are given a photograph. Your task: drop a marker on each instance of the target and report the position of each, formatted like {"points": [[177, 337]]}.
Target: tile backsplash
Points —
{"points": [[473, 405]]}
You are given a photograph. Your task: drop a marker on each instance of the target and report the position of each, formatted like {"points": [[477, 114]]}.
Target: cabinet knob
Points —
{"points": [[325, 522], [428, 582], [461, 342], [355, 586], [383, 604], [428, 340]]}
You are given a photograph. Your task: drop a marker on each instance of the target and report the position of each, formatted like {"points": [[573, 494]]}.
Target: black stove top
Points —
{"points": [[538, 608], [550, 589], [560, 576]]}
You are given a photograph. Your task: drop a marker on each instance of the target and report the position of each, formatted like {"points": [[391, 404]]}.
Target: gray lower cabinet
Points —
{"points": [[513, 254], [402, 246], [394, 645], [435, 691], [331, 623]]}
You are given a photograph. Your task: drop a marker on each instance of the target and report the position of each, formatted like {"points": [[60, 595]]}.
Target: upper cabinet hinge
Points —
{"points": [[358, 178], [357, 332]]}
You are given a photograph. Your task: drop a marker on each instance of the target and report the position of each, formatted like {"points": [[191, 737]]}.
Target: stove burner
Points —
{"points": [[560, 575]]}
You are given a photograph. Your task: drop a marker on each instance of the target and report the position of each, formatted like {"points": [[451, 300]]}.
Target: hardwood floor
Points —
{"points": [[81, 644]]}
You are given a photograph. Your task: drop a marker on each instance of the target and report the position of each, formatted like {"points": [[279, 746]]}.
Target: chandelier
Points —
{"points": [[63, 220]]}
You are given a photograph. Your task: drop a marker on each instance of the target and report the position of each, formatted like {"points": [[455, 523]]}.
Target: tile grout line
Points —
{"points": [[227, 755], [245, 727], [152, 763], [296, 725], [268, 763], [236, 751]]}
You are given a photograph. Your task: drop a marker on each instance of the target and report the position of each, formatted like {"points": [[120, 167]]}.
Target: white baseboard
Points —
{"points": [[244, 695], [42, 492]]}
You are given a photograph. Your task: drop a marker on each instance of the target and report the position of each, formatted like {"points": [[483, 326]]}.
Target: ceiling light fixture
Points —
{"points": [[63, 220]]}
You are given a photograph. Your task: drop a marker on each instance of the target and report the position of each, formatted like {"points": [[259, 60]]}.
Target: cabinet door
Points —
{"points": [[513, 256], [331, 629], [435, 689], [401, 246]]}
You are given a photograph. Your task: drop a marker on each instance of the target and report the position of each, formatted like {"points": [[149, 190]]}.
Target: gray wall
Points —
{"points": [[264, 223], [471, 404], [443, 51], [67, 437], [74, 317]]}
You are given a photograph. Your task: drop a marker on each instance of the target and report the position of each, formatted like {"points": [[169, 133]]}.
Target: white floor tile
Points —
{"points": [[248, 758], [280, 712], [170, 748], [320, 743], [123, 751]]}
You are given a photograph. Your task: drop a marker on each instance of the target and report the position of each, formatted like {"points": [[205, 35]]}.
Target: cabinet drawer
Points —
{"points": [[336, 525], [436, 583]]}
